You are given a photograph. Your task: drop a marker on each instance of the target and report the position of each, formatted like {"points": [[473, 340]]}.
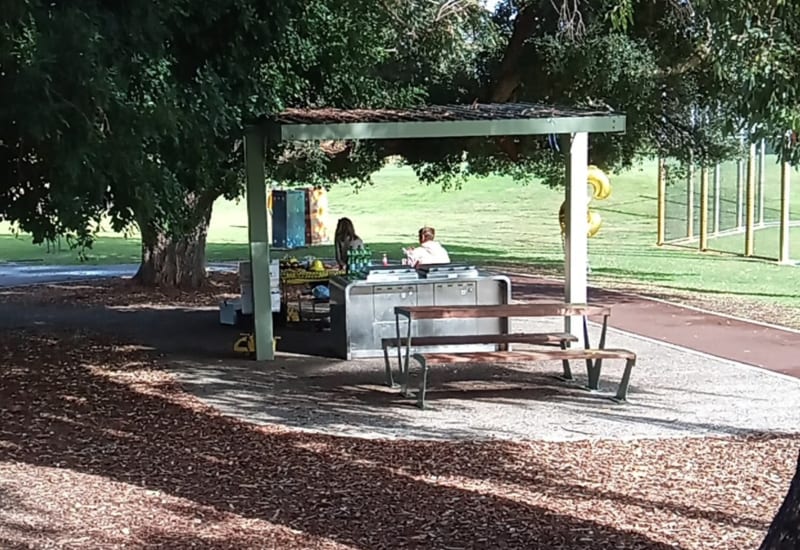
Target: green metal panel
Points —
{"points": [[449, 128], [259, 241]]}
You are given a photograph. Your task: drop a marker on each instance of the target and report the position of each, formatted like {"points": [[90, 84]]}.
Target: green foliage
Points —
{"points": [[694, 78], [135, 109]]}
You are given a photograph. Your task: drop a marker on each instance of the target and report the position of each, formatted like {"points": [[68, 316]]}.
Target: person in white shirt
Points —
{"points": [[429, 250]]}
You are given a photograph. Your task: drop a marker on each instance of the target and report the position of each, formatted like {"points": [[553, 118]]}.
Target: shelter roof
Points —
{"points": [[435, 113], [438, 121]]}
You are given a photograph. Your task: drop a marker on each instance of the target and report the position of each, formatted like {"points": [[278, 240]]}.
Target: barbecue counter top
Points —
{"points": [[399, 274]]}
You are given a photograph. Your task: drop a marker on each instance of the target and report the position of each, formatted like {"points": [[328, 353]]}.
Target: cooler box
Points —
{"points": [[246, 287], [288, 218]]}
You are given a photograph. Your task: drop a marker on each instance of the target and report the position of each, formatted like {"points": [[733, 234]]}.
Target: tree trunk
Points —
{"points": [[784, 533], [508, 78], [174, 261]]}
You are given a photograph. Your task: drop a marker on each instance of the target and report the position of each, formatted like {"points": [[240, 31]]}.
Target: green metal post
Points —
{"points": [[662, 202], [254, 144], [690, 199], [761, 176], [784, 256], [750, 204], [704, 208]]}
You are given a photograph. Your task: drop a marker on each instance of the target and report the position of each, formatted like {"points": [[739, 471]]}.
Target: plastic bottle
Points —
{"points": [[385, 260]]}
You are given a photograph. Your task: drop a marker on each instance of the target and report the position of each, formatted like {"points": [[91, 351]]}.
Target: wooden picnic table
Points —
{"points": [[592, 356]]}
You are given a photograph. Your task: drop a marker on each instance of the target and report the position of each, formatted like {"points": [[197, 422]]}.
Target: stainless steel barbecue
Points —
{"points": [[362, 310]]}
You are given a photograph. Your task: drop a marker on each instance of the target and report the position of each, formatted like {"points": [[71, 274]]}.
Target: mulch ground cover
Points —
{"points": [[101, 448], [119, 292]]}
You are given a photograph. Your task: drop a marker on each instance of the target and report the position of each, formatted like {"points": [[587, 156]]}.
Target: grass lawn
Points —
{"points": [[500, 221]]}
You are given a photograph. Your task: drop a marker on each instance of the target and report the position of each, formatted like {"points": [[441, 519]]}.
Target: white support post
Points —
{"points": [[577, 253], [258, 235]]}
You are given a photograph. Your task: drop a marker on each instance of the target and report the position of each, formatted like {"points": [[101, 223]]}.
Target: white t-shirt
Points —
{"points": [[430, 252]]}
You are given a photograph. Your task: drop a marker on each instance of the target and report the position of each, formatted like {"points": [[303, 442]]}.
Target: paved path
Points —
{"points": [[755, 344], [23, 274]]}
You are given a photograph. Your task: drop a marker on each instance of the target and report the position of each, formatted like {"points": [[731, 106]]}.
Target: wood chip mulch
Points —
{"points": [[100, 448]]}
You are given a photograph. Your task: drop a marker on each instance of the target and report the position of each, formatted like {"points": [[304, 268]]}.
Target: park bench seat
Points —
{"points": [[593, 358], [534, 338]]}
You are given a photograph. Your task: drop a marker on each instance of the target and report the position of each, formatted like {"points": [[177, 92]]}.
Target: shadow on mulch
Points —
{"points": [[77, 403]]}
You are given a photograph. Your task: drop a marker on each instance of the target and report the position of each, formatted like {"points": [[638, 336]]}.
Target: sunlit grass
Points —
{"points": [[495, 220]]}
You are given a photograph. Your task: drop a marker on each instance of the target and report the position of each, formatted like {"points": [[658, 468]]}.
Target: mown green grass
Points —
{"points": [[495, 220]]}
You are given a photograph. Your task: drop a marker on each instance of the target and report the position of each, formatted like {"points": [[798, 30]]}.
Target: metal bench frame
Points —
{"points": [[594, 358]]}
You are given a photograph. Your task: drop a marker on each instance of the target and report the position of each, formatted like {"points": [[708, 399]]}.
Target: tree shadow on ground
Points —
{"points": [[79, 404]]}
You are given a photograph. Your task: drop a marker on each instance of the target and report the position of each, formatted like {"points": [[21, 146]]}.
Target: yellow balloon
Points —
{"points": [[601, 187], [601, 190], [595, 221]]}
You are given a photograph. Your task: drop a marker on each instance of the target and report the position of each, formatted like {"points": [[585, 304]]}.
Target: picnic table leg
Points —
{"points": [[389, 379], [598, 363], [622, 391], [398, 342], [587, 345], [594, 377], [423, 381], [408, 348], [567, 376]]}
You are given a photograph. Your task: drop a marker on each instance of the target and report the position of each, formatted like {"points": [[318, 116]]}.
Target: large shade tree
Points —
{"points": [[133, 111]]}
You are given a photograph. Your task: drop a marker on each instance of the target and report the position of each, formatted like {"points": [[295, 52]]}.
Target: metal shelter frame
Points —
{"points": [[444, 121]]}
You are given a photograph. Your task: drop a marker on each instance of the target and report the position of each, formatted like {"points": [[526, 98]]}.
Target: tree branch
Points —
{"points": [[508, 77]]}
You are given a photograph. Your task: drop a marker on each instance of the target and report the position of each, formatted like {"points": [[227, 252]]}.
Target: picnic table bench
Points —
{"points": [[592, 356]]}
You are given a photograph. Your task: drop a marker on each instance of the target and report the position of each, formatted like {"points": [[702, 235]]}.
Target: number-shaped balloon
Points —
{"points": [[601, 190]]}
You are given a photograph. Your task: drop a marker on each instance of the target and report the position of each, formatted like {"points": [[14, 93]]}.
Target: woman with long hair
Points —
{"points": [[345, 239]]}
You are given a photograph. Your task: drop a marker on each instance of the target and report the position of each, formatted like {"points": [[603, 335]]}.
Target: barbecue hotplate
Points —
{"points": [[448, 271], [391, 273]]}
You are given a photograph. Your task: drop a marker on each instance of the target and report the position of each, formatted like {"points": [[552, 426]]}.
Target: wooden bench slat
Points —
{"points": [[522, 356], [512, 338], [540, 309]]}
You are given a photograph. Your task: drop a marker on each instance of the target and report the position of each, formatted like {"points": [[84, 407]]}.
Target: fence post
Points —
{"points": [[739, 193], [662, 202], [783, 252], [751, 200], [690, 199], [717, 189], [762, 153], [704, 208]]}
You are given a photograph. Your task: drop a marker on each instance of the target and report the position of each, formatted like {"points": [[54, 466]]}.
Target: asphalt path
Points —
{"points": [[24, 274]]}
